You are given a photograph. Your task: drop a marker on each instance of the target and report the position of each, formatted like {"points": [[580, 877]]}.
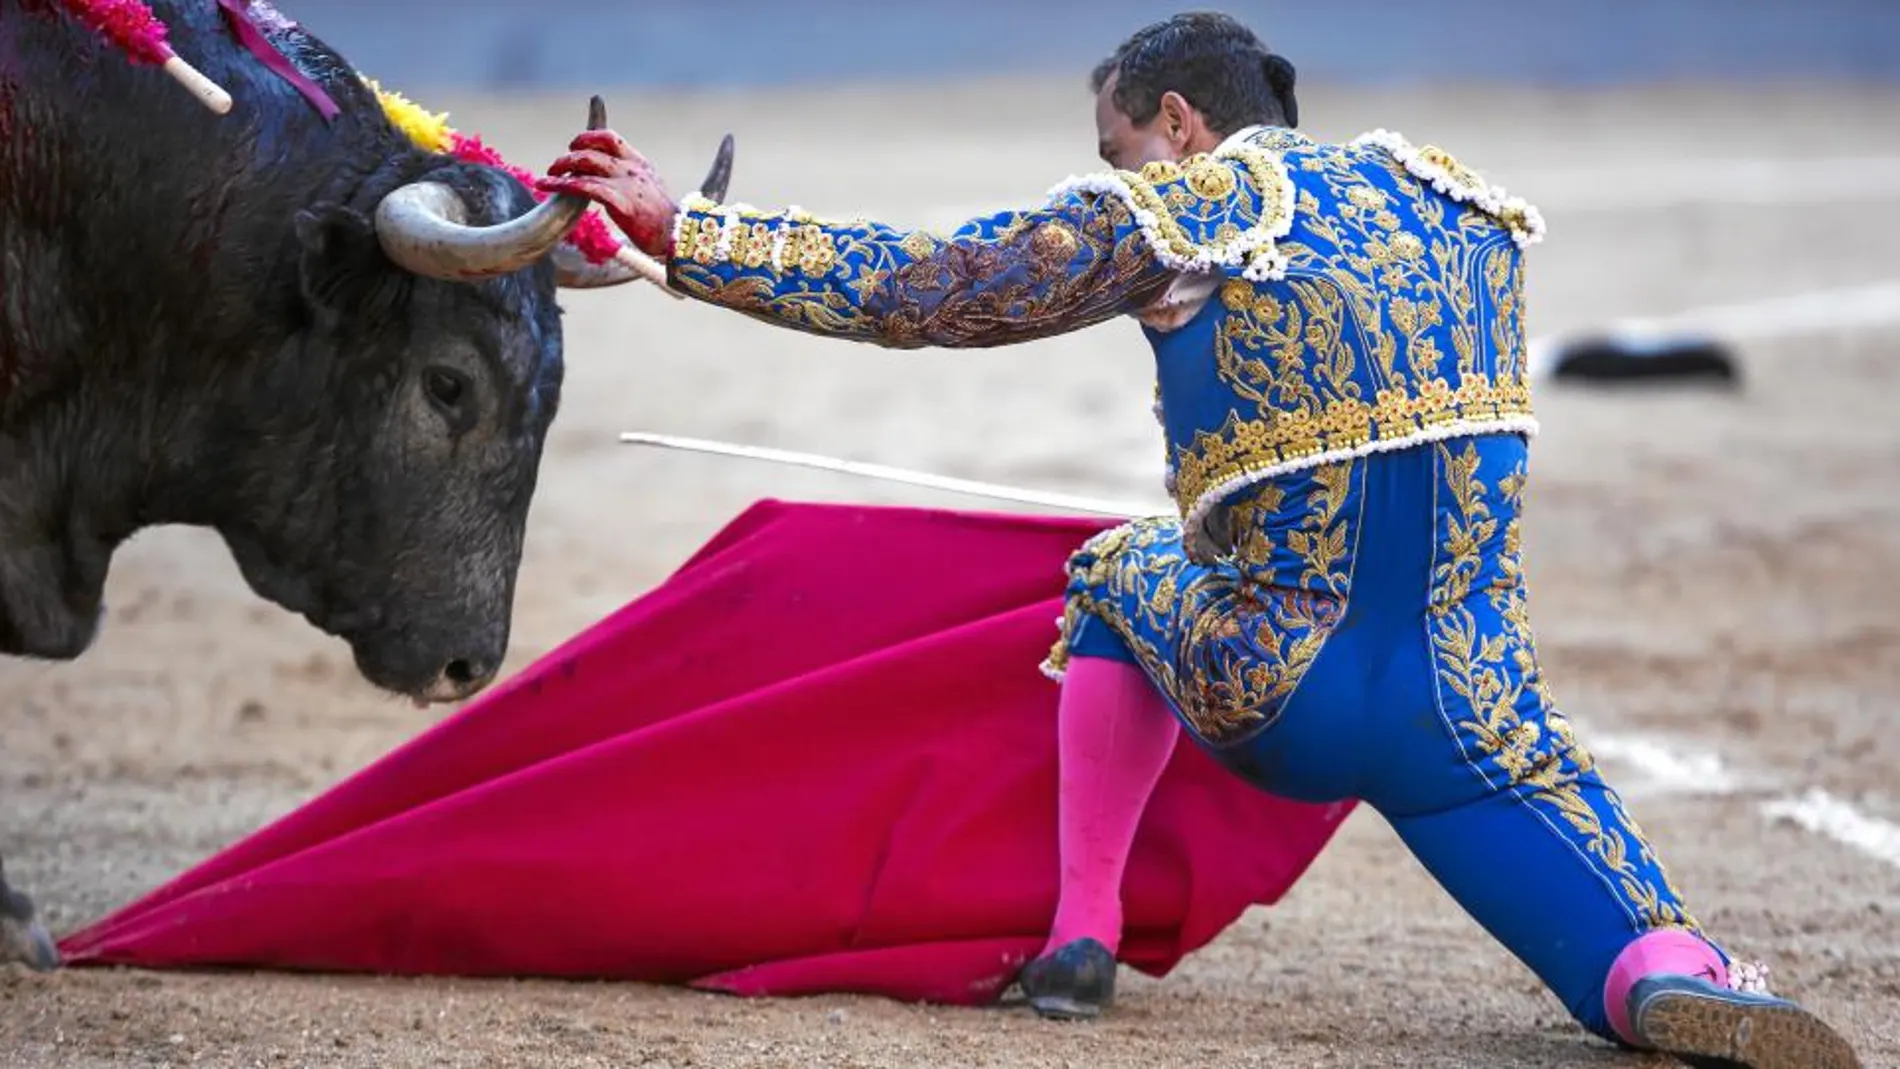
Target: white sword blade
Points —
{"points": [[1070, 502]]}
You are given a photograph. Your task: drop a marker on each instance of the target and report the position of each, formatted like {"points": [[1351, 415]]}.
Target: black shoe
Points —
{"points": [[1075, 982], [1712, 1027]]}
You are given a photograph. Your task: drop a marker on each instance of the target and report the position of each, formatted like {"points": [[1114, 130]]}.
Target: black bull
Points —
{"points": [[340, 352]]}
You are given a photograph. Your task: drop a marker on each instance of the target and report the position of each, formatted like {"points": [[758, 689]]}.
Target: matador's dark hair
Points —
{"points": [[1213, 61]]}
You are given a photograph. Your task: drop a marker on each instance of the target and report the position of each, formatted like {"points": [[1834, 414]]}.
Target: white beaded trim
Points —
{"points": [[1212, 497], [781, 232], [694, 202], [1255, 250], [1748, 977], [732, 219], [1526, 223], [730, 224]]}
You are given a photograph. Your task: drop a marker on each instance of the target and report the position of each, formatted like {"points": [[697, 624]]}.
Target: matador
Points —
{"points": [[1337, 609]]}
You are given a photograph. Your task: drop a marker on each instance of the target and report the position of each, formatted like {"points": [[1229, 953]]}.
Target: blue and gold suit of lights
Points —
{"points": [[1338, 608]]}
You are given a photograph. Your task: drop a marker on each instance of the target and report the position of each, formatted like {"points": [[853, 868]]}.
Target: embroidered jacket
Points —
{"points": [[1306, 302]]}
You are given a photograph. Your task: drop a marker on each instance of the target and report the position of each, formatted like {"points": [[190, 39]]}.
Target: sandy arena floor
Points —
{"points": [[1715, 577]]}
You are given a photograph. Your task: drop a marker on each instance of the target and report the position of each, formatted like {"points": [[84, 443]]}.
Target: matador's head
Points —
{"points": [[1183, 86]]}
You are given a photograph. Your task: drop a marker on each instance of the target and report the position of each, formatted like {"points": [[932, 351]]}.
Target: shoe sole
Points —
{"points": [[1748, 1036], [1057, 1008]]}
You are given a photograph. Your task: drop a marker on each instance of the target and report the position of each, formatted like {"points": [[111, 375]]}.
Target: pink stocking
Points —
{"points": [[1115, 734], [1665, 951]]}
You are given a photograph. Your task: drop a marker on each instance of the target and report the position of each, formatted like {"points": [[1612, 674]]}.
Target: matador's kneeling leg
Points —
{"points": [[1115, 735], [1489, 785], [1544, 855]]}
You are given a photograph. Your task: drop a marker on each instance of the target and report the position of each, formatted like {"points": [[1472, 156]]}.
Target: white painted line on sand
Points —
{"points": [[1658, 766], [1653, 766], [1825, 815]]}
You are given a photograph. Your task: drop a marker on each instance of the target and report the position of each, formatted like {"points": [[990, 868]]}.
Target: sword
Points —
{"points": [[1120, 509]]}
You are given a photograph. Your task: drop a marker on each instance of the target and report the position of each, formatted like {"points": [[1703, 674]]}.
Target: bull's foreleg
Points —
{"points": [[21, 938]]}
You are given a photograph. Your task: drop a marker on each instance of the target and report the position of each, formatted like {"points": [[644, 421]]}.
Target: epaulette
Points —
{"points": [[1223, 209], [1440, 170]]}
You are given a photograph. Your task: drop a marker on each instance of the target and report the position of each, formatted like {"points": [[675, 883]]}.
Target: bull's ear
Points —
{"points": [[344, 270]]}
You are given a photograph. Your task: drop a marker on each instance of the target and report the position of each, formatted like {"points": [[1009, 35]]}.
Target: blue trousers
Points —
{"points": [[1368, 639]]}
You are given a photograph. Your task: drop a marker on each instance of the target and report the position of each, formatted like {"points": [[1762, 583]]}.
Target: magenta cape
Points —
{"points": [[819, 758]]}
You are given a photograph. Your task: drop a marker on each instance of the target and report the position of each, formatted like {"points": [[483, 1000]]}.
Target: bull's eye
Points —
{"points": [[446, 387]]}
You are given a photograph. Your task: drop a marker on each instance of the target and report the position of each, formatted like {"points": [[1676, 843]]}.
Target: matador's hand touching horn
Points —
{"points": [[602, 167]]}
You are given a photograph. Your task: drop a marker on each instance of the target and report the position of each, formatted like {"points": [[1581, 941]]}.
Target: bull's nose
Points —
{"points": [[429, 668], [459, 679], [466, 672]]}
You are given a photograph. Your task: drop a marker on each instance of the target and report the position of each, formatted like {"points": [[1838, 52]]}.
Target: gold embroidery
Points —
{"points": [[1227, 208], [1228, 647], [1209, 180], [1008, 278], [1324, 545], [1160, 172], [1400, 319], [1245, 447], [919, 244], [1464, 176], [1253, 545], [1054, 244], [1238, 296], [1438, 168], [1487, 659]]}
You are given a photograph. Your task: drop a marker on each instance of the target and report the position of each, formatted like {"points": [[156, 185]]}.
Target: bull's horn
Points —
{"points": [[572, 270], [423, 227], [717, 179]]}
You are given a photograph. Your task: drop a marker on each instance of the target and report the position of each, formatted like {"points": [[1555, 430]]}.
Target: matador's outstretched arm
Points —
{"points": [[1099, 248]]}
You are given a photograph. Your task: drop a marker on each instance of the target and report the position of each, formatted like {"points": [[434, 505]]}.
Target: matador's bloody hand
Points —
{"points": [[606, 170]]}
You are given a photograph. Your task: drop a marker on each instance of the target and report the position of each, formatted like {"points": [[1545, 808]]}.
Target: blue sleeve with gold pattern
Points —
{"points": [[1101, 247]]}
